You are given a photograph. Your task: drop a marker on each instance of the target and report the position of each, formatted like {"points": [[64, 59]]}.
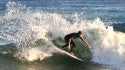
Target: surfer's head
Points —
{"points": [[80, 33]]}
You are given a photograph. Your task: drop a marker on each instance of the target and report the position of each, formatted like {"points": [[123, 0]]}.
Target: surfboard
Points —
{"points": [[73, 56]]}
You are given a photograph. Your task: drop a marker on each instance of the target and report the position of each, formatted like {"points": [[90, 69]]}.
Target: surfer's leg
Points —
{"points": [[66, 40], [73, 45]]}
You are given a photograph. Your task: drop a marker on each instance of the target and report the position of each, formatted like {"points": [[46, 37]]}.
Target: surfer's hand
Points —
{"points": [[89, 46]]}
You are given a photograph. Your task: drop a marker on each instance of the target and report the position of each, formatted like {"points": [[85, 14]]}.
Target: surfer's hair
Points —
{"points": [[79, 32]]}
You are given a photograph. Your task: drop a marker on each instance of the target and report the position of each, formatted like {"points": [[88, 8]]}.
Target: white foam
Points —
{"points": [[31, 54], [110, 51], [21, 24]]}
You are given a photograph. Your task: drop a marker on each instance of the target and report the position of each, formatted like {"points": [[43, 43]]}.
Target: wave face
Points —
{"points": [[33, 34]]}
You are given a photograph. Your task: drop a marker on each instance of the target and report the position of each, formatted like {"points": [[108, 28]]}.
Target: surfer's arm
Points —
{"points": [[85, 42]]}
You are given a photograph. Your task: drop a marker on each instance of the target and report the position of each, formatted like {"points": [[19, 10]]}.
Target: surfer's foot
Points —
{"points": [[71, 53]]}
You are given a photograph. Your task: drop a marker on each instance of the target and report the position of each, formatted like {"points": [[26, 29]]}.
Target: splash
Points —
{"points": [[24, 27], [31, 54], [109, 48], [33, 31], [108, 44]]}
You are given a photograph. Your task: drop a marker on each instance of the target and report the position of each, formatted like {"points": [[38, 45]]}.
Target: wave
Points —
{"points": [[36, 34]]}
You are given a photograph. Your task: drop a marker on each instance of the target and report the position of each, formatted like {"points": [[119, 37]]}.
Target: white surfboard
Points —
{"points": [[73, 56]]}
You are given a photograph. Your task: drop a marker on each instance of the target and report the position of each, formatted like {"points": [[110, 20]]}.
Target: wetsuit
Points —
{"points": [[67, 39]]}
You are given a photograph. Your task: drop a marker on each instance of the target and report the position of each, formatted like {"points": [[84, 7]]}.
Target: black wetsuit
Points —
{"points": [[68, 37]]}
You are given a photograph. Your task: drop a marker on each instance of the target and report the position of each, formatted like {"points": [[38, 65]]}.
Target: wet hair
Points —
{"points": [[79, 32]]}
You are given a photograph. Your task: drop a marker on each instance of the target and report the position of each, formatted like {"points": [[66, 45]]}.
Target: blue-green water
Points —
{"points": [[31, 32]]}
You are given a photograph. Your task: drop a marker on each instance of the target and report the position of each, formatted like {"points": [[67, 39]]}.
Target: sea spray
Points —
{"points": [[109, 51], [20, 28], [33, 32]]}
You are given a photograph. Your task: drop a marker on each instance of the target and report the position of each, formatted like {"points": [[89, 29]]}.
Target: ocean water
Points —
{"points": [[31, 32]]}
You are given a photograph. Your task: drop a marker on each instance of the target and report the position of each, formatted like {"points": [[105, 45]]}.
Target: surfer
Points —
{"points": [[68, 38]]}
